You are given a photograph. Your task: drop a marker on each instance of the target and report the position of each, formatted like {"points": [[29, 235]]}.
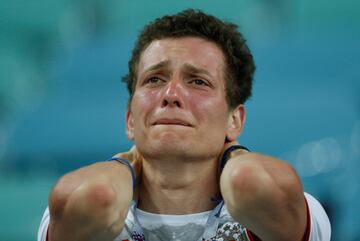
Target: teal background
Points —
{"points": [[62, 103]]}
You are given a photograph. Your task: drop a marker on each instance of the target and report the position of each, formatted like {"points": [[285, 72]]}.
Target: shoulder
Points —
{"points": [[125, 234], [230, 229], [319, 228], [42, 232]]}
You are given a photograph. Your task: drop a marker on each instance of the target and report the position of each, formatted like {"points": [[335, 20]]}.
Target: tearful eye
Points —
{"points": [[199, 82], [153, 80]]}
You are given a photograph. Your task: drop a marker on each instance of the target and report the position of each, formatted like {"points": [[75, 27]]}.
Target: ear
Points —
{"points": [[129, 124], [236, 121]]}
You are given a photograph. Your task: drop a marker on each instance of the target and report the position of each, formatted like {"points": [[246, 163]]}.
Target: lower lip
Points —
{"points": [[171, 125]]}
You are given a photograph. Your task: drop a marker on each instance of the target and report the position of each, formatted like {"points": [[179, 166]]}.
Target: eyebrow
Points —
{"points": [[187, 67], [193, 69], [157, 66]]}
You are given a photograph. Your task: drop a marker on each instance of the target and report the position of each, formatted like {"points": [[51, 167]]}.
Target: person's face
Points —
{"points": [[179, 106]]}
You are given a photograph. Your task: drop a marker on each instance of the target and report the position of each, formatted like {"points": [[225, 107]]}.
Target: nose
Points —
{"points": [[173, 96]]}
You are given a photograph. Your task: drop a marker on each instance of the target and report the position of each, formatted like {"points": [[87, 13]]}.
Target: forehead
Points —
{"points": [[195, 51]]}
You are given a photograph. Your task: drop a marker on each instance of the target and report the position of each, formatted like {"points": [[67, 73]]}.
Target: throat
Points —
{"points": [[181, 192]]}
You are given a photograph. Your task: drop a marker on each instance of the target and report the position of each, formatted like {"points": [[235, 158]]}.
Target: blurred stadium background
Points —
{"points": [[62, 102]]}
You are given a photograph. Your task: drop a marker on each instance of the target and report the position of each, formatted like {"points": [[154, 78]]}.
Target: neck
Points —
{"points": [[178, 187]]}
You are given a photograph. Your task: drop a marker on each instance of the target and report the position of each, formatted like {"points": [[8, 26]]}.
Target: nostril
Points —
{"points": [[171, 103], [177, 103], [164, 103]]}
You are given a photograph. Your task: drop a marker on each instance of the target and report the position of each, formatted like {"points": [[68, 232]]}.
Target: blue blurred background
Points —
{"points": [[62, 103]]}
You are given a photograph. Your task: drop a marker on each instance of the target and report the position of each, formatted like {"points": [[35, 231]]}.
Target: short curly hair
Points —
{"points": [[239, 61]]}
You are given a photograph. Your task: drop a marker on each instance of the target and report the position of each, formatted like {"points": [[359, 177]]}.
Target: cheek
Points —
{"points": [[141, 105], [211, 110], [213, 118]]}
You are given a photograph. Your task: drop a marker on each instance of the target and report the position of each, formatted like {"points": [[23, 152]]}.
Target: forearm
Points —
{"points": [[265, 195], [90, 203]]}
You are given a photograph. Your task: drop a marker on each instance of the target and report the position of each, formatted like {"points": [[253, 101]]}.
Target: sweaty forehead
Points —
{"points": [[195, 51]]}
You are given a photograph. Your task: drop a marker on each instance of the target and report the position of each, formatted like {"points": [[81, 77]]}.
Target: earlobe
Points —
{"points": [[129, 124], [236, 123]]}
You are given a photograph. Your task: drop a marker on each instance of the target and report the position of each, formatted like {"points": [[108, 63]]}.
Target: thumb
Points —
{"points": [[134, 157], [227, 145], [136, 160]]}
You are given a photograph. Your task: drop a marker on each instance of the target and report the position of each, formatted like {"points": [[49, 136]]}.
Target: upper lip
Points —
{"points": [[171, 121]]}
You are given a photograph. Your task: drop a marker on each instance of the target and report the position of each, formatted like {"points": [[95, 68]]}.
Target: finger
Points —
{"points": [[231, 143], [129, 155], [227, 145], [123, 155], [134, 157], [238, 152], [136, 160], [136, 164]]}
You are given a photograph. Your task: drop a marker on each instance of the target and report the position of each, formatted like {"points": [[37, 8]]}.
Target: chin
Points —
{"points": [[167, 147], [172, 144], [170, 137]]}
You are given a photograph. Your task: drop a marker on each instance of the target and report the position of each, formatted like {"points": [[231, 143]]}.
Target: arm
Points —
{"points": [[265, 195], [92, 202]]}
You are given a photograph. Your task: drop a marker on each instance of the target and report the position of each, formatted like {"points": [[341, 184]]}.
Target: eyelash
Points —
{"points": [[151, 81], [203, 82]]}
